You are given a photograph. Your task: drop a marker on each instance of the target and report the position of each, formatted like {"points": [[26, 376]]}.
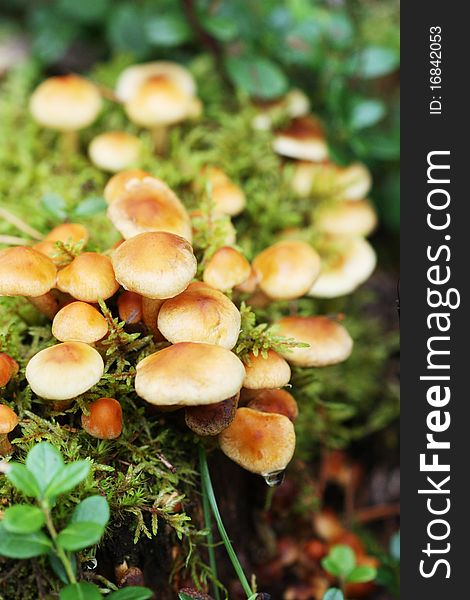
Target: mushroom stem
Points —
{"points": [[69, 142], [5, 446], [46, 304], [150, 310], [60, 405], [160, 139], [19, 224]]}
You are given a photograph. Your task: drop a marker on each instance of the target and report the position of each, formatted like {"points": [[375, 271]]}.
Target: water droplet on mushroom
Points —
{"points": [[274, 478]]}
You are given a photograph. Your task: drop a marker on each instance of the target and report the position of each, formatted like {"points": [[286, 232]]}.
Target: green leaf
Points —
{"points": [[67, 478], [167, 30], [333, 594], [23, 518], [394, 548], [222, 28], [55, 205], [77, 536], [94, 509], [374, 61], [340, 561], [51, 34], [44, 462], [183, 596], [23, 480], [90, 206], [58, 567], [257, 76], [132, 593], [366, 113], [28, 545], [361, 574], [86, 11], [80, 591]]}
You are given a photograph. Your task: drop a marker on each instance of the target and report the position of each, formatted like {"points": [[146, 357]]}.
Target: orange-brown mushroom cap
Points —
{"points": [[79, 322], [130, 307], [275, 401], [262, 443], [8, 419], [270, 371], [226, 268], [8, 368], [89, 277], [105, 419], [25, 272], [123, 182], [303, 139]]}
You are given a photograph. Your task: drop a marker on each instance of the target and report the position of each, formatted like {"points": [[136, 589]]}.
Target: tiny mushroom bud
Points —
{"points": [[79, 322], [189, 374], [155, 264], [114, 150], [130, 307], [105, 419], [287, 269], [149, 206], [262, 443], [269, 371], [328, 341], [275, 401], [303, 139], [200, 314], [226, 268], [8, 369], [8, 422], [89, 277], [26, 272], [213, 418], [347, 217], [228, 198], [64, 371], [124, 182]]}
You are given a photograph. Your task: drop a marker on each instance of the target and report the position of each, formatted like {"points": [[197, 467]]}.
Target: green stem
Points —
{"points": [[58, 548], [205, 476], [210, 538]]}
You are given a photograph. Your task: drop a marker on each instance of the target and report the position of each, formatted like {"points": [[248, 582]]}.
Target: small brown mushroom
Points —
{"points": [[8, 369], [346, 218], [228, 198], [89, 278], [226, 269], [303, 139], [213, 418], [275, 401], [8, 422], [114, 151], [79, 322], [123, 182], [130, 307], [105, 419], [266, 371]]}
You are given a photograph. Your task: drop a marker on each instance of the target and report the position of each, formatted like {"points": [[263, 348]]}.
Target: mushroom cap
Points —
{"points": [[353, 265], [79, 322], [159, 101], [25, 272], [287, 269], [64, 371], [132, 78], [226, 268], [229, 199], [189, 374], [114, 150], [66, 103], [130, 307], [270, 372], [89, 277], [275, 401], [68, 232], [294, 104], [150, 206], [200, 314], [347, 217], [105, 419], [354, 181], [8, 419], [123, 182], [155, 264], [259, 442], [250, 285], [329, 342], [8, 368], [303, 139]]}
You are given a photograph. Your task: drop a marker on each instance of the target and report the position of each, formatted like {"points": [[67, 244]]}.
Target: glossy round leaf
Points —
{"points": [[23, 518], [80, 591], [94, 509], [28, 545], [23, 480], [257, 76], [44, 462], [67, 478], [77, 536]]}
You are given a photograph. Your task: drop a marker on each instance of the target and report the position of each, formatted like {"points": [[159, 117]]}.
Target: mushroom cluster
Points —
{"points": [[158, 280]]}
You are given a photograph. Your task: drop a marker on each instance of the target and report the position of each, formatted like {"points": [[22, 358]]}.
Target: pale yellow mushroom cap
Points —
{"points": [[132, 78], [262, 443], [330, 180], [79, 322], [228, 198], [354, 181], [294, 104], [329, 342], [123, 182], [64, 371], [149, 206], [347, 217], [200, 314], [114, 151], [25, 272], [303, 139], [89, 277], [189, 374], [271, 371], [287, 269], [226, 269], [155, 264], [65, 103]]}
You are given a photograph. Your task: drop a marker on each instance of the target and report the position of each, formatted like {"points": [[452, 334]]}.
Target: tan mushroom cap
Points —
{"points": [[114, 151], [8, 368], [8, 419], [150, 206], [275, 401], [200, 314], [25, 272], [352, 266], [130, 307], [354, 181], [259, 442], [270, 372], [123, 182], [189, 374], [155, 264], [303, 139], [159, 101], [89, 277], [329, 342], [64, 371], [66, 103], [79, 322], [229, 199], [226, 268], [347, 217], [132, 78], [105, 419], [67, 233], [287, 269]]}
